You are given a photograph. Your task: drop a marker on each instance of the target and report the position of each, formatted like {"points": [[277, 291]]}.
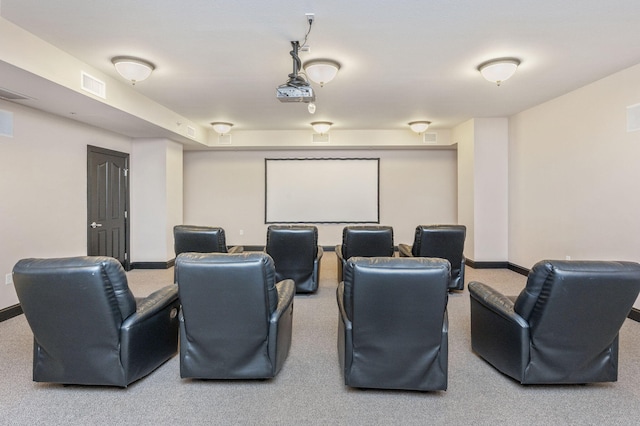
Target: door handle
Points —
{"points": [[95, 225]]}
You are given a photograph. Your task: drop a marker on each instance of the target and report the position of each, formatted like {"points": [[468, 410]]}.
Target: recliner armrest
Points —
{"points": [[341, 262], [495, 301], [150, 335], [286, 290], [280, 325], [152, 304], [235, 249], [463, 266], [498, 333], [405, 250], [345, 334], [343, 312], [320, 253]]}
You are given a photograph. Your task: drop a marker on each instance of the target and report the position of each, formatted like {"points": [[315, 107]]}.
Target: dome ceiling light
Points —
{"points": [[419, 126], [499, 70], [321, 71], [132, 69], [221, 128], [321, 127]]}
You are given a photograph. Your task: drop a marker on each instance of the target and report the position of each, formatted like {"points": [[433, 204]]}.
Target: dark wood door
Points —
{"points": [[107, 204]]}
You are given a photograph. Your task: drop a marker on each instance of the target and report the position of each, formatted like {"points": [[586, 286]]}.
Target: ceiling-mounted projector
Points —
{"points": [[287, 93], [296, 89]]}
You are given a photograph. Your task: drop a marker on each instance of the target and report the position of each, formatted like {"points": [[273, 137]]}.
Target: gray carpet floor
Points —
{"points": [[310, 389]]}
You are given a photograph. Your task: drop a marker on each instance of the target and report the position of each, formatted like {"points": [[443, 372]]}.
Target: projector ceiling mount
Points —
{"points": [[297, 88]]}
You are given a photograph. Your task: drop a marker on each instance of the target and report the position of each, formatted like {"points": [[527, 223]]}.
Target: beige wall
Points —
{"points": [[483, 187], [574, 176], [156, 198], [227, 189], [490, 180], [175, 191], [464, 136], [43, 188]]}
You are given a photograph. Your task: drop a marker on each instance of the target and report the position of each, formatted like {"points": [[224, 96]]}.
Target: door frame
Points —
{"points": [[127, 221]]}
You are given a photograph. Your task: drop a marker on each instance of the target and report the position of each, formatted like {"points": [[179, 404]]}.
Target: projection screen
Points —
{"points": [[322, 190]]}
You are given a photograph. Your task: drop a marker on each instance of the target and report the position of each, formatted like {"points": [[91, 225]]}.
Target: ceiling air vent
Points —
{"points": [[93, 85], [430, 138], [12, 96], [191, 132]]}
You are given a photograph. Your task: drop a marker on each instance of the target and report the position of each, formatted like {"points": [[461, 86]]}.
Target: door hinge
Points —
{"points": [[126, 172], [126, 215], [125, 256]]}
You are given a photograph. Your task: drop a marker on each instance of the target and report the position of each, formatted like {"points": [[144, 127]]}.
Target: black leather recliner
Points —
{"points": [[88, 328], [236, 321], [443, 241], [296, 254], [364, 241], [393, 327], [562, 328], [201, 239]]}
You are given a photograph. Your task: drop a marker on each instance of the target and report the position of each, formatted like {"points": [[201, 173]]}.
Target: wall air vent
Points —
{"points": [[191, 132], [224, 139], [318, 138], [93, 85], [6, 123], [12, 96], [633, 118], [430, 138]]}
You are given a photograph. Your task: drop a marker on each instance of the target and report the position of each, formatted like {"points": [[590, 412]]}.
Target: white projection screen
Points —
{"points": [[322, 190]]}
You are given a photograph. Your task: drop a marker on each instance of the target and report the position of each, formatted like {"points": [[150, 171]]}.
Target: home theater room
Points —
{"points": [[319, 212]]}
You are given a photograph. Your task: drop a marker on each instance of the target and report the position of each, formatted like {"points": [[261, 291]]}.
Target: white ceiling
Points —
{"points": [[401, 60]]}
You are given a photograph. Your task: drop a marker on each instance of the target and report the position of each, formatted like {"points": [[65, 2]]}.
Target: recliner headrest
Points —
{"points": [[367, 241], [199, 239]]}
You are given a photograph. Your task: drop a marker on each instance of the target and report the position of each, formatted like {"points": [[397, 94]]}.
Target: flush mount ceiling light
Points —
{"points": [[133, 69], [321, 127], [419, 126], [498, 70], [321, 71], [221, 127]]}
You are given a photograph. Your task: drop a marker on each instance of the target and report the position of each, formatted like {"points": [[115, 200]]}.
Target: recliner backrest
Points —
{"points": [[246, 278], [367, 241], [49, 288], [368, 282], [199, 239], [443, 241], [75, 306], [397, 338], [294, 249], [235, 321], [577, 307], [233, 294]]}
